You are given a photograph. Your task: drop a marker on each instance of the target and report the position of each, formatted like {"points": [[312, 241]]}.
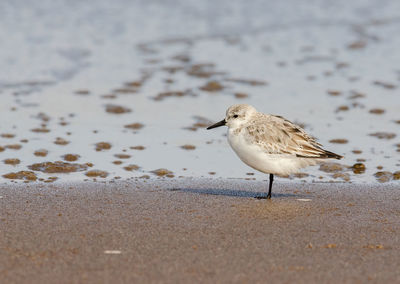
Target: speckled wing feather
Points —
{"points": [[276, 135]]}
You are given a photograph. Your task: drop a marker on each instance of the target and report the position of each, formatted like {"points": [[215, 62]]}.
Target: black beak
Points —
{"points": [[218, 124]]}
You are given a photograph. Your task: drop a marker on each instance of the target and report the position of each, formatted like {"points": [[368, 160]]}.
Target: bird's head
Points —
{"points": [[236, 116]]}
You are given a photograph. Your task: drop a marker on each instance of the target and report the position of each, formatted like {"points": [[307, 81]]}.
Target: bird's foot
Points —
{"points": [[263, 197]]}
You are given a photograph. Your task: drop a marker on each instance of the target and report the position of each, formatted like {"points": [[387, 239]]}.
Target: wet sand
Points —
{"points": [[199, 230]]}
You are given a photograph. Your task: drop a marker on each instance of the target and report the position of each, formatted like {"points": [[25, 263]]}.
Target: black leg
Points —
{"points": [[271, 180]]}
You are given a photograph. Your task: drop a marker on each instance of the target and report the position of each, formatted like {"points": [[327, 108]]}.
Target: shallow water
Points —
{"points": [[146, 78]]}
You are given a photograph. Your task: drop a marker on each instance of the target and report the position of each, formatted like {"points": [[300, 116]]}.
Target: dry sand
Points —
{"points": [[194, 230]]}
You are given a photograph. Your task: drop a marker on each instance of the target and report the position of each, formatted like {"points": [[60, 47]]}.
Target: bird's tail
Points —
{"points": [[330, 155]]}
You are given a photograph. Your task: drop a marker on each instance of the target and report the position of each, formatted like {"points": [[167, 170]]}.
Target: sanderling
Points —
{"points": [[269, 143]]}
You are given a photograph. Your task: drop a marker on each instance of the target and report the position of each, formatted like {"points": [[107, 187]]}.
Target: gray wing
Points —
{"points": [[277, 135]]}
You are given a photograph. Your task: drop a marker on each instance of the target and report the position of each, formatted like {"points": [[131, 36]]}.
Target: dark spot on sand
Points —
{"points": [[169, 94], [383, 176], [134, 84], [125, 91], [212, 86], [377, 111], [172, 69], [358, 44], [203, 70], [13, 146], [50, 179], [247, 81], [122, 156], [58, 167], [61, 141], [96, 173], [24, 175], [181, 57], [356, 95], [103, 146], [162, 172], [71, 157], [7, 135], [111, 96], [334, 92], [140, 148], [332, 167], [383, 135], [115, 109], [40, 130], [131, 167], [134, 126], [343, 176], [41, 153], [241, 95], [358, 168], [385, 85], [339, 141], [82, 92], [188, 147], [13, 161], [342, 108], [43, 117], [300, 175]]}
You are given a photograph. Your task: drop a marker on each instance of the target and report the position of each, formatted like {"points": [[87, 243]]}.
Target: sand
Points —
{"points": [[199, 230]]}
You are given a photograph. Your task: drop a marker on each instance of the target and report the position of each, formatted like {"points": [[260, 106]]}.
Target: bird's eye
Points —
{"points": [[235, 116]]}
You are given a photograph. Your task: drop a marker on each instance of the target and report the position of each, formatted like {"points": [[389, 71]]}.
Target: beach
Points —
{"points": [[199, 230], [107, 171]]}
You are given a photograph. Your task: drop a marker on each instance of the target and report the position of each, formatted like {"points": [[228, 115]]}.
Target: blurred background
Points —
{"points": [[124, 89]]}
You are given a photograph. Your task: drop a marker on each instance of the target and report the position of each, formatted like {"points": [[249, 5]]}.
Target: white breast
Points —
{"points": [[254, 156]]}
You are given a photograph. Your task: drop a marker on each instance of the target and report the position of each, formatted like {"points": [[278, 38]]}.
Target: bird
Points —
{"points": [[270, 143]]}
